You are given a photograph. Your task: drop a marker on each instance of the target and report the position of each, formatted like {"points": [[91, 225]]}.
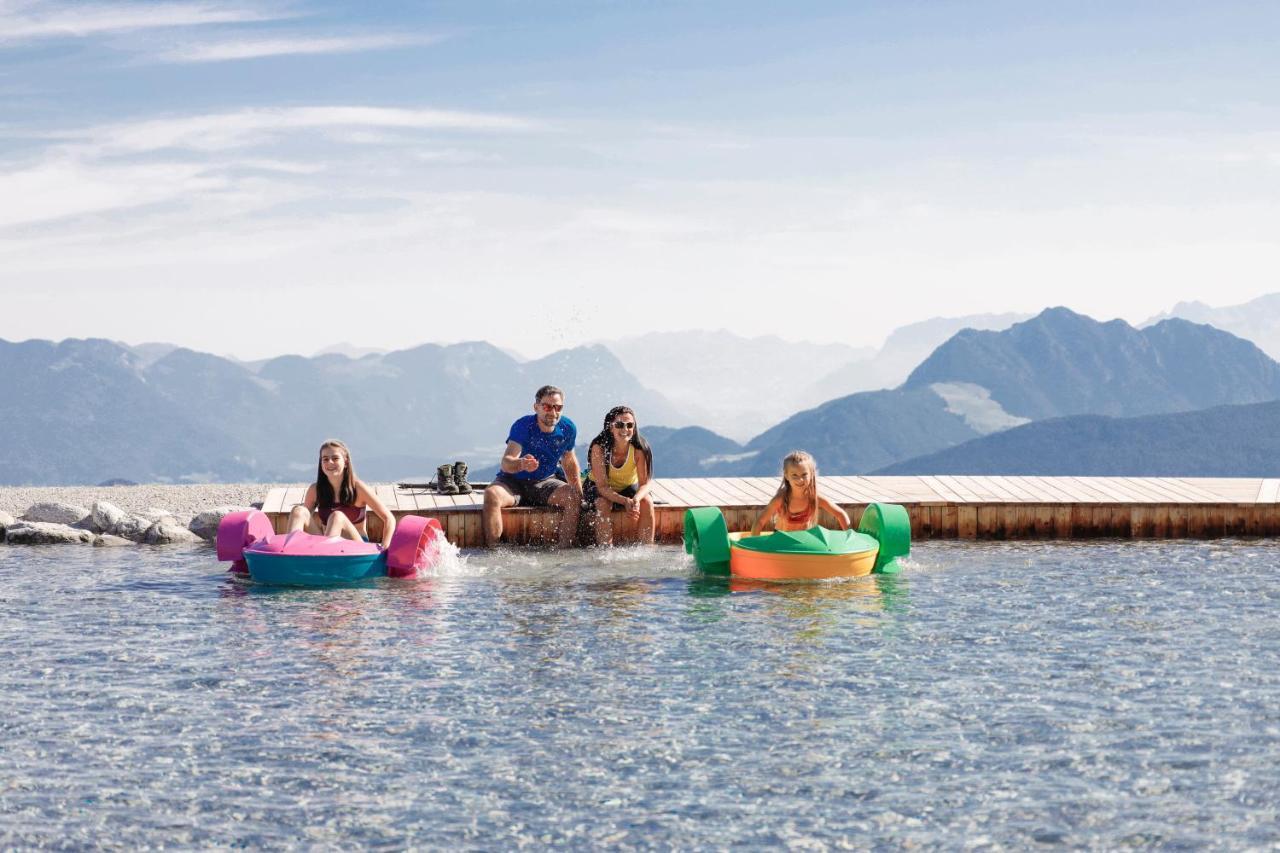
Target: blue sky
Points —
{"points": [[260, 177]]}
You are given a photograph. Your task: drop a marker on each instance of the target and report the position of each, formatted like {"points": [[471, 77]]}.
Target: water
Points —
{"points": [[1097, 695]]}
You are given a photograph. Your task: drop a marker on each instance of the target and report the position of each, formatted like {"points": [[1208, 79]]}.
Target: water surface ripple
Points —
{"points": [[1001, 695]]}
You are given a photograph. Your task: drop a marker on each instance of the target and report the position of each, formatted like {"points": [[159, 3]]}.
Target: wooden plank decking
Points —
{"points": [[940, 507]]}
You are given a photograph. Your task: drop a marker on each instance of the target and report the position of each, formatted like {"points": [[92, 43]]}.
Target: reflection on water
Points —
{"points": [[1088, 694]]}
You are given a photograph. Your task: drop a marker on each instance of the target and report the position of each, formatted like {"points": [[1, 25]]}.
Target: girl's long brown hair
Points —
{"points": [[346, 490]]}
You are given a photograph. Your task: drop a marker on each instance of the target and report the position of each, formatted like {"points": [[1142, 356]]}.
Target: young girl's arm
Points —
{"points": [[378, 508], [769, 512], [842, 517], [310, 500]]}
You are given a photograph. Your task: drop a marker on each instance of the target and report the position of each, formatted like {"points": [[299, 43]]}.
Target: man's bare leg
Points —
{"points": [[496, 499], [568, 500]]}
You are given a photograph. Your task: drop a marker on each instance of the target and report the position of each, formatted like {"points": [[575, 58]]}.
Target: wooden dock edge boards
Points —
{"points": [[929, 520]]}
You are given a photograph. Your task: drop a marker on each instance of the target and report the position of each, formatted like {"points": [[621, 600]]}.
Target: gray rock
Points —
{"points": [[154, 514], [205, 525], [6, 521], [45, 533], [134, 527], [166, 531], [55, 512], [106, 540], [106, 516]]}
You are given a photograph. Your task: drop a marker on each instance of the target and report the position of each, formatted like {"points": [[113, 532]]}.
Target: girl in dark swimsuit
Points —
{"points": [[338, 503], [797, 504]]}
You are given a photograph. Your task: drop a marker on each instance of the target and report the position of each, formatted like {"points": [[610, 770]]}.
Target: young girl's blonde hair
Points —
{"points": [[800, 459]]}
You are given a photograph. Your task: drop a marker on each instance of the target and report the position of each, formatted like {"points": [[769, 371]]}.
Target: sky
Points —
{"points": [[255, 178]]}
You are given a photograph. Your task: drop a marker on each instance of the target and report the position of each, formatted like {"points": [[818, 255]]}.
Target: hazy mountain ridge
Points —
{"points": [[704, 371], [84, 411], [1057, 363], [902, 351], [1064, 363], [1224, 441], [716, 377], [1257, 320]]}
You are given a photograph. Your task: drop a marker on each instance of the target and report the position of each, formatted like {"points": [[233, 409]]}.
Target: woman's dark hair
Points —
{"points": [[605, 438], [346, 490]]}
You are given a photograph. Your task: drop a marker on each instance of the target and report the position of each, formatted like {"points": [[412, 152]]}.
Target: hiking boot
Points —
{"points": [[445, 484], [460, 478]]}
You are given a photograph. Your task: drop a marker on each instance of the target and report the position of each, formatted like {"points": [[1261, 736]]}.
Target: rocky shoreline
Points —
{"points": [[155, 514]]}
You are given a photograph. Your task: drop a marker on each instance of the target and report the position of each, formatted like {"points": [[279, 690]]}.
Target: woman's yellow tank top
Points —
{"points": [[623, 476]]}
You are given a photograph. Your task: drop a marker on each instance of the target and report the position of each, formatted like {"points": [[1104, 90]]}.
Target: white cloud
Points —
{"points": [[221, 165], [60, 189], [244, 128], [260, 48], [39, 19]]}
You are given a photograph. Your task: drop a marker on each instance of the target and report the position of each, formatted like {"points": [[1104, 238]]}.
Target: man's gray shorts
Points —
{"points": [[528, 492]]}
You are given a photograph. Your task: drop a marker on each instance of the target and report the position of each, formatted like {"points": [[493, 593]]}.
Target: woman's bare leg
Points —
{"points": [[603, 523], [646, 520]]}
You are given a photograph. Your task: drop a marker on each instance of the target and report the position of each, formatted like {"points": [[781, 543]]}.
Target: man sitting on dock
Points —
{"points": [[546, 440]]}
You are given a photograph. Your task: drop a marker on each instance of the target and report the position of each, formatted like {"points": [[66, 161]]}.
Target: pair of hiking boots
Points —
{"points": [[452, 479]]}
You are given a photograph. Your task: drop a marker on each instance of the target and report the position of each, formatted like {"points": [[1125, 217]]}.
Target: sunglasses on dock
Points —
{"points": [[623, 425]]}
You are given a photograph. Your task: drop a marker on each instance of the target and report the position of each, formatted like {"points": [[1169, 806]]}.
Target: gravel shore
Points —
{"points": [[182, 501]]}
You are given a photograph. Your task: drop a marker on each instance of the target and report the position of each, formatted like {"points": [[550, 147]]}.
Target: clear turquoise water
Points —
{"points": [[1094, 695]]}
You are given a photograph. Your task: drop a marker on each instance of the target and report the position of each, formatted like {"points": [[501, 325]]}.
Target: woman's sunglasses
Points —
{"points": [[623, 425]]}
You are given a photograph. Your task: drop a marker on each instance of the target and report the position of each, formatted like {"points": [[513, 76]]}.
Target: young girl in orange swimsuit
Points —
{"points": [[338, 502], [797, 504]]}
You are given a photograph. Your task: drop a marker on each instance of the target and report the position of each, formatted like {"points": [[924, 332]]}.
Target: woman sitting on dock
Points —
{"points": [[619, 473], [338, 503]]}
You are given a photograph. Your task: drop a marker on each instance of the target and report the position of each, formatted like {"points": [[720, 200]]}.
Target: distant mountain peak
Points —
{"points": [[1061, 362]]}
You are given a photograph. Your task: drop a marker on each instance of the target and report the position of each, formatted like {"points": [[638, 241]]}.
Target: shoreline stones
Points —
{"points": [[205, 524], [107, 525], [167, 531], [56, 512], [106, 516], [45, 533]]}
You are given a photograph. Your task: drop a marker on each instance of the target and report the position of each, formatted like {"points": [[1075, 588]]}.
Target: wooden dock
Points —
{"points": [[945, 507]]}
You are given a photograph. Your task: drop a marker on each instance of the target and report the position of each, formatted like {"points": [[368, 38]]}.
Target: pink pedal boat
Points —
{"points": [[249, 542]]}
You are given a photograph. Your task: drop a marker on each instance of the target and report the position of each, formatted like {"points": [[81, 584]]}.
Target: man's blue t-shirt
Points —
{"points": [[546, 447]]}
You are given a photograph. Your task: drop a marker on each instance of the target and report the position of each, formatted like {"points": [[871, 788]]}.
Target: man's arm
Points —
{"points": [[570, 464], [513, 463]]}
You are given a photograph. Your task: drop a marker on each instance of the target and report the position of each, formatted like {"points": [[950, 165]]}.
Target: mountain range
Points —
{"points": [[702, 372], [1257, 320], [89, 410], [980, 382], [1224, 441]]}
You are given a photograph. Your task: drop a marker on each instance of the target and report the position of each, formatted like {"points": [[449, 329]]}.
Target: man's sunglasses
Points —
{"points": [[552, 407], [623, 425]]}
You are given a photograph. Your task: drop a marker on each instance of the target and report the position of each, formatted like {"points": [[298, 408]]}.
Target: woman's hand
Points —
{"points": [[633, 508]]}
